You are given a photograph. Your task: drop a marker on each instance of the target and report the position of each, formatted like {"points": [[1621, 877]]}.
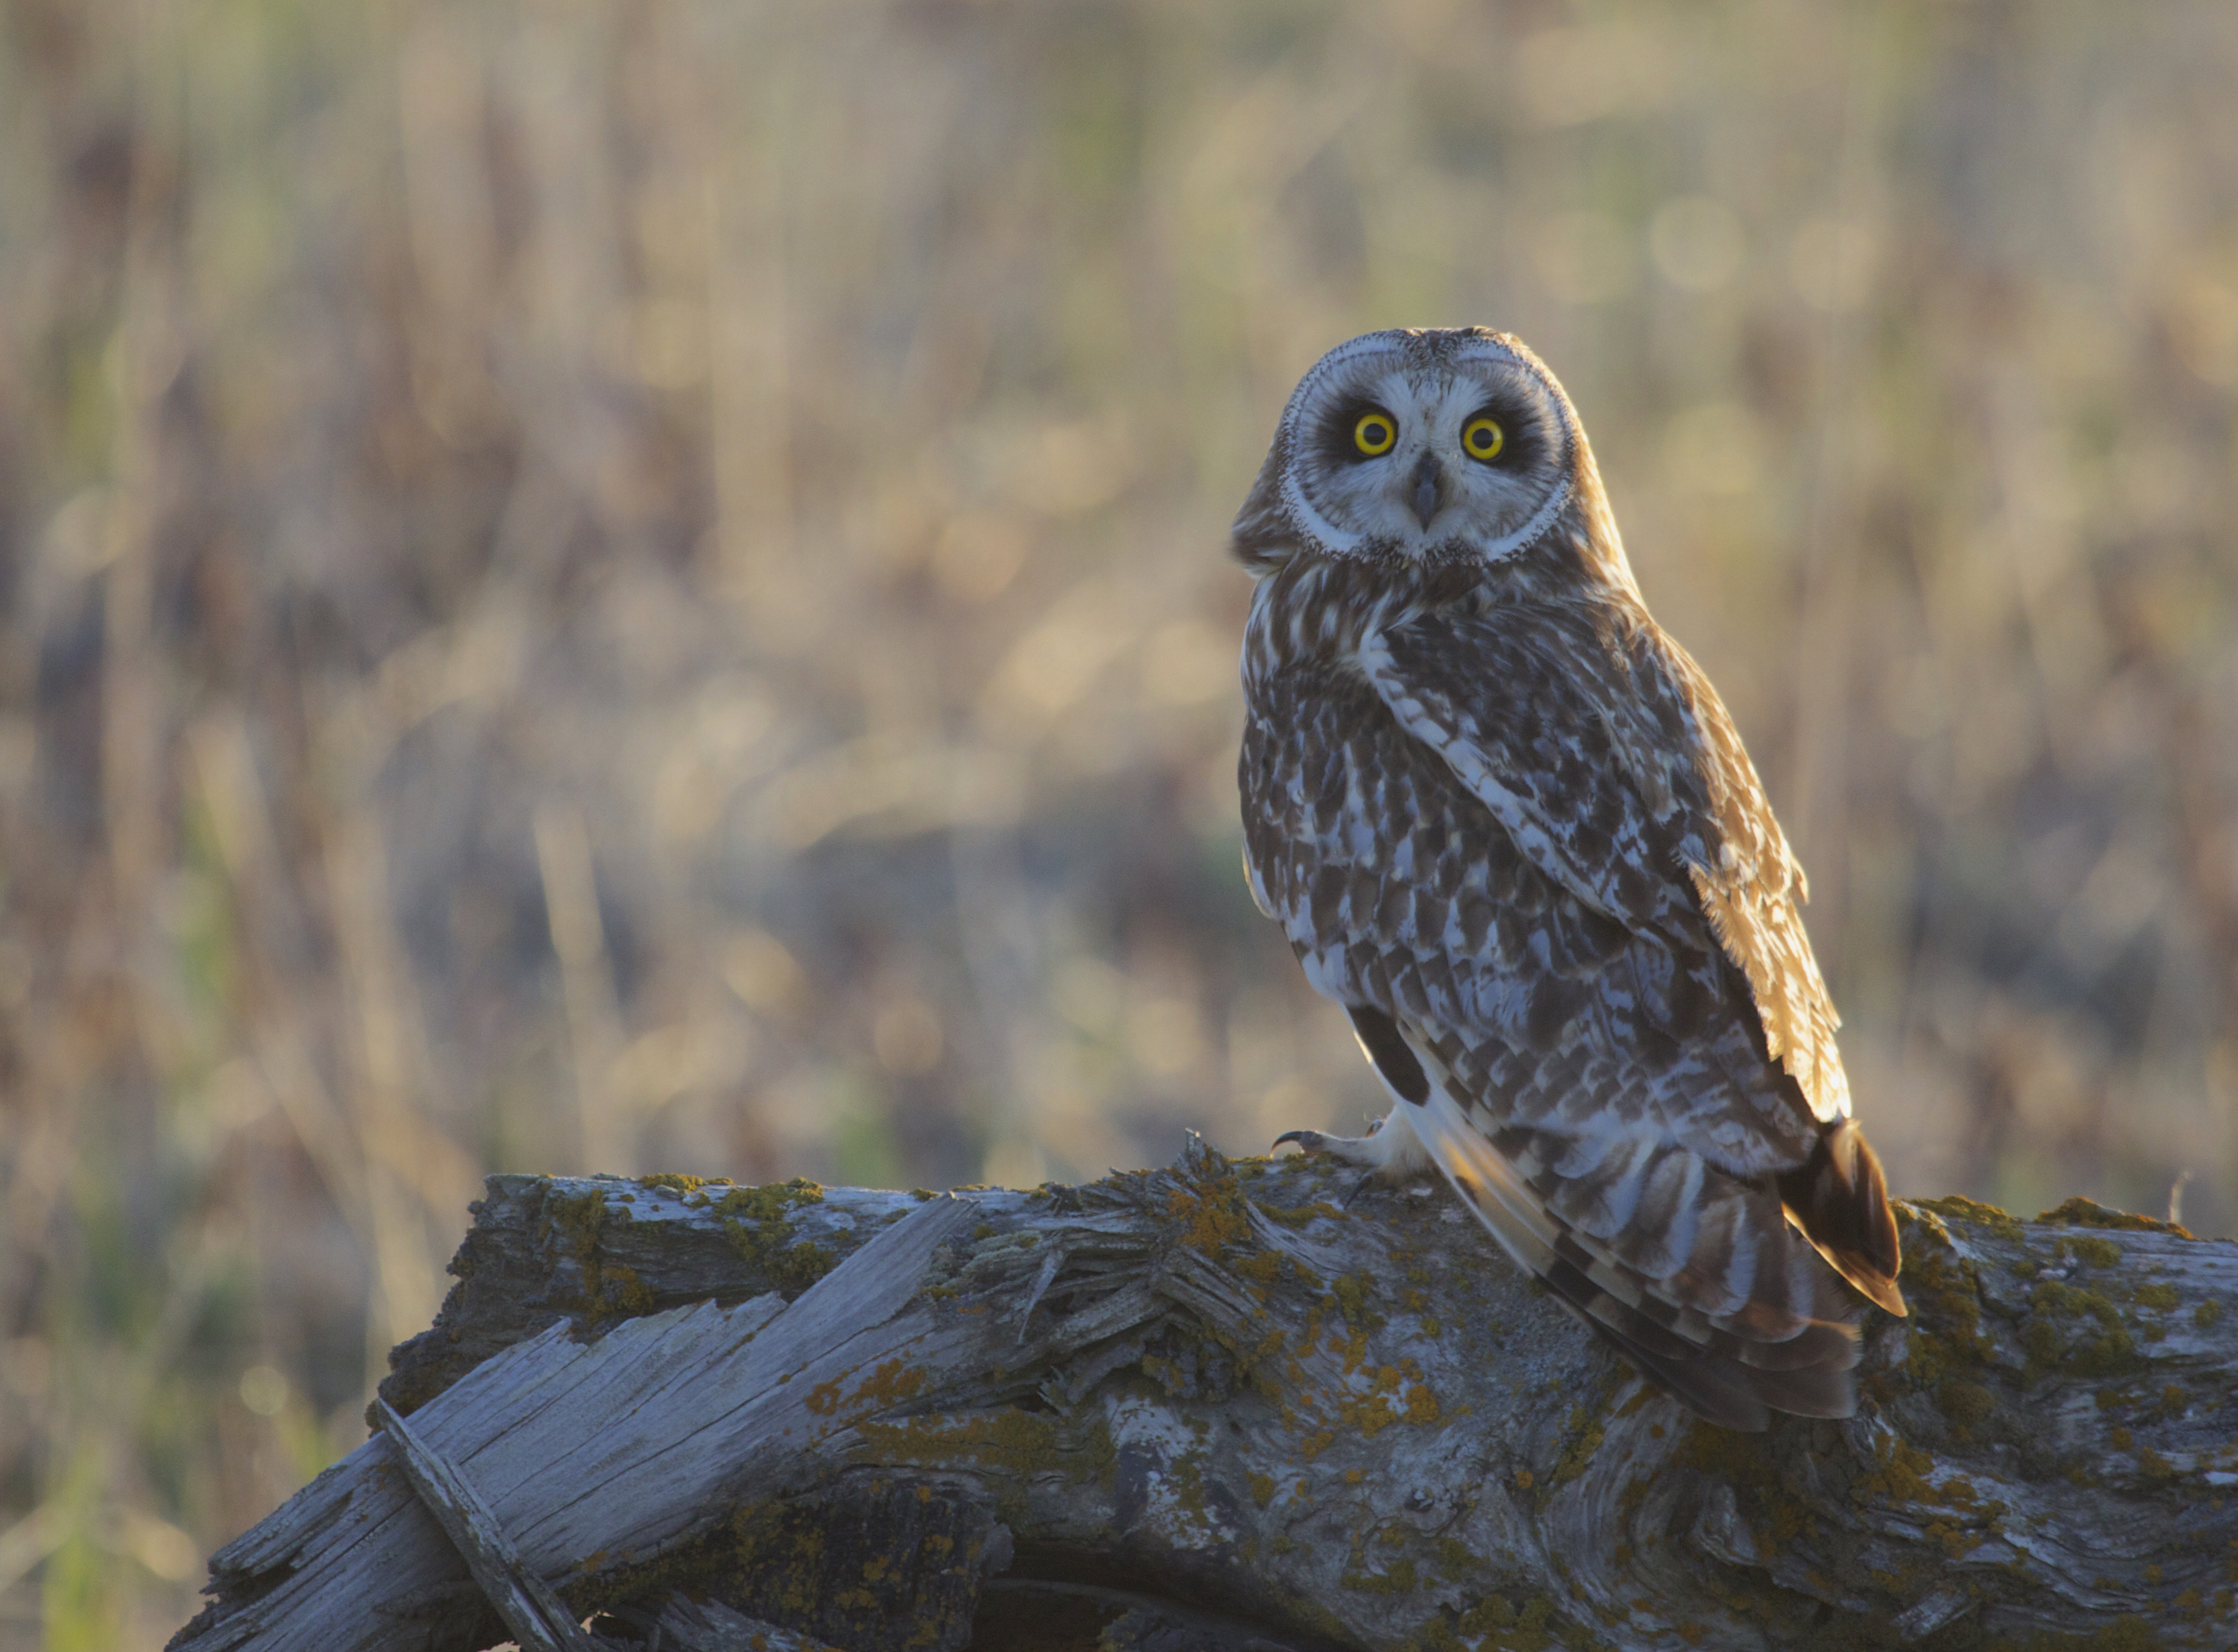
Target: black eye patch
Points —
{"points": [[1336, 438], [1523, 439]]}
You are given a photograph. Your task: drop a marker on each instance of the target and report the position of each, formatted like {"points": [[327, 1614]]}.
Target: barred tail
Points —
{"points": [[1699, 1281]]}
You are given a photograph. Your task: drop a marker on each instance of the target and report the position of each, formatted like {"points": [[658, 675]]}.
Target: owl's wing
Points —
{"points": [[1601, 748], [1573, 1045], [1617, 774]]}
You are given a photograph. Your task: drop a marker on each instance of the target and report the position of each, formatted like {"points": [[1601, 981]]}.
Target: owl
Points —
{"points": [[1508, 826]]}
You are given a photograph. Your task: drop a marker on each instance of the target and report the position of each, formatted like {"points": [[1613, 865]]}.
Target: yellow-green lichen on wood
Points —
{"points": [[1010, 1441], [1957, 1208], [580, 1220], [1210, 1214], [2083, 1212], [679, 1184], [2078, 1332], [759, 1223], [1877, 1511]]}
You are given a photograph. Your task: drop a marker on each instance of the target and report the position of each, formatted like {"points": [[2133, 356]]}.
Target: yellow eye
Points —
{"points": [[1374, 433], [1483, 439]]}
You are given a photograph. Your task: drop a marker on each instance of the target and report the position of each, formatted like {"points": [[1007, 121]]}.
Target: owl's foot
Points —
{"points": [[1388, 1152], [1352, 1150], [1349, 1149]]}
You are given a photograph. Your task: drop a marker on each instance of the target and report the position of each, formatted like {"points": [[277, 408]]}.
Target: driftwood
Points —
{"points": [[1216, 1406]]}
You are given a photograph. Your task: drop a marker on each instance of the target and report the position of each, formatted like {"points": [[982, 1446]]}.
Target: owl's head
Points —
{"points": [[1428, 448]]}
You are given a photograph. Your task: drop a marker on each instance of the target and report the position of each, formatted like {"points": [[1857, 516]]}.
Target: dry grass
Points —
{"points": [[639, 584]]}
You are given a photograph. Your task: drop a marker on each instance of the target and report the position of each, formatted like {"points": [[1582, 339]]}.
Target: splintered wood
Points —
{"points": [[874, 1419]]}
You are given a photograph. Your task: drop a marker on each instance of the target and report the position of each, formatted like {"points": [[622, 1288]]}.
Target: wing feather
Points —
{"points": [[1728, 1372], [1595, 740], [1608, 759], [1530, 876]]}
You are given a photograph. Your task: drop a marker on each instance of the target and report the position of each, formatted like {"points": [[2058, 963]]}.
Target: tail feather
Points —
{"points": [[1722, 1394], [1839, 1199], [1712, 1242], [1743, 1323], [1738, 1396], [1710, 1282], [1720, 1271], [1662, 1231]]}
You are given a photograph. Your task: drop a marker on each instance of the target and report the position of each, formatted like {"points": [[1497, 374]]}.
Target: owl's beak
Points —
{"points": [[1429, 488]]}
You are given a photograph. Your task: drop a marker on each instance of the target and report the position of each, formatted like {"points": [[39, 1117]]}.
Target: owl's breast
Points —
{"points": [[1392, 880], [1401, 889]]}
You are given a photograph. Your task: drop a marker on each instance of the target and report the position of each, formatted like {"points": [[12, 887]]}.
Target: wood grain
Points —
{"points": [[1220, 1387]]}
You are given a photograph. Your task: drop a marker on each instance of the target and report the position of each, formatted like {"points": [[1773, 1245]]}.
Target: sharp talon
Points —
{"points": [[1358, 1188], [1308, 1140]]}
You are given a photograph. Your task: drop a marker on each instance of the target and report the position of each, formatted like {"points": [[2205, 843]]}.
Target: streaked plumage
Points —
{"points": [[1507, 825]]}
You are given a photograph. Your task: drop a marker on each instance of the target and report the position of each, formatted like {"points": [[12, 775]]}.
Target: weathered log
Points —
{"points": [[1189, 1407]]}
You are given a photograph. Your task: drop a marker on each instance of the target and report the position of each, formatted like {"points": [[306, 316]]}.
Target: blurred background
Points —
{"points": [[640, 585]]}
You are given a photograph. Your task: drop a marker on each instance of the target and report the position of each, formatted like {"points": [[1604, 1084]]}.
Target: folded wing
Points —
{"points": [[1485, 844]]}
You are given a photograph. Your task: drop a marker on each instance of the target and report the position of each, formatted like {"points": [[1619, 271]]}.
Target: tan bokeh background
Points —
{"points": [[639, 584]]}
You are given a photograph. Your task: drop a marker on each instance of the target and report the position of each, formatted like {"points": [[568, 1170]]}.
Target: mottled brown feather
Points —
{"points": [[1507, 823]]}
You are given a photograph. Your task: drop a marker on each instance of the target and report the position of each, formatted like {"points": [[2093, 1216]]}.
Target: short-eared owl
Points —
{"points": [[1508, 826]]}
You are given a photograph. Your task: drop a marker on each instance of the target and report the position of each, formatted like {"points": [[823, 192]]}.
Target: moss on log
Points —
{"points": [[1198, 1405]]}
